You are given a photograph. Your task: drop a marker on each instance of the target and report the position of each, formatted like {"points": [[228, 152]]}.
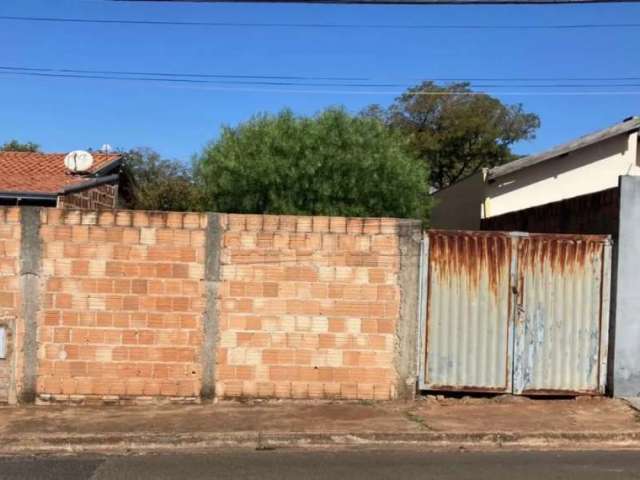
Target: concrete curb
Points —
{"points": [[148, 443]]}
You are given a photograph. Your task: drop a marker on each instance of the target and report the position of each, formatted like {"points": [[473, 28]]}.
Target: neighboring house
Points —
{"points": [[559, 190], [34, 178]]}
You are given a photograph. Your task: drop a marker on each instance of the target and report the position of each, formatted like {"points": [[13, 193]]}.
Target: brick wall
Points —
{"points": [[308, 307], [100, 197], [142, 305], [9, 292], [122, 304]]}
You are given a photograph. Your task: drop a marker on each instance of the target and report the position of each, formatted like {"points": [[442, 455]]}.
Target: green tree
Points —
{"points": [[154, 183], [456, 131], [16, 146], [328, 164]]}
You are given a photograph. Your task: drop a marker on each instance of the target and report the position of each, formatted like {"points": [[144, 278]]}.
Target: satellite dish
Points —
{"points": [[78, 161]]}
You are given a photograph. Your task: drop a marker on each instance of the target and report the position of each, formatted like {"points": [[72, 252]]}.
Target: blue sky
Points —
{"points": [[178, 119]]}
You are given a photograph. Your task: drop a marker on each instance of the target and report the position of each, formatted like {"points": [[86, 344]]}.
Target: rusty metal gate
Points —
{"points": [[514, 313]]}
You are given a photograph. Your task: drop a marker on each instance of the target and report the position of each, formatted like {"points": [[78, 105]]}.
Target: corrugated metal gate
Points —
{"points": [[512, 312]]}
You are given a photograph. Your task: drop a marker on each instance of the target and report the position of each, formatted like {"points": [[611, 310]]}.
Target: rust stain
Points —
{"points": [[558, 392], [467, 388], [479, 264], [468, 256], [559, 253]]}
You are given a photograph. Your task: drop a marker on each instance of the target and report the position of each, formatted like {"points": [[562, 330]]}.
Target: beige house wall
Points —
{"points": [[587, 170], [459, 206]]}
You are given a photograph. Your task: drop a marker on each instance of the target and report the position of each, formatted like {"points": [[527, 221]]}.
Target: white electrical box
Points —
{"points": [[3, 342]]}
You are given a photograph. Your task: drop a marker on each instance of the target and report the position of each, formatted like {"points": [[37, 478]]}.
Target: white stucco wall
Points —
{"points": [[459, 207], [587, 170]]}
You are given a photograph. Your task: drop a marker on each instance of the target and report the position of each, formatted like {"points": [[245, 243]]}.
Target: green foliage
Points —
{"points": [[154, 183], [329, 164], [16, 146], [455, 131]]}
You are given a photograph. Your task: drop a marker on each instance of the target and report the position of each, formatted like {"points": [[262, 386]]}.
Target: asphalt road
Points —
{"points": [[333, 464]]}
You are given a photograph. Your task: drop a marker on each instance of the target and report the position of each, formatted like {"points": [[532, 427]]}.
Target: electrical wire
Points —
{"points": [[576, 26], [187, 80], [236, 86], [306, 91], [398, 2], [195, 75], [312, 77], [149, 77]]}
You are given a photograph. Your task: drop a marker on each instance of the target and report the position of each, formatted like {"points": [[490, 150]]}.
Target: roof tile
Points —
{"points": [[37, 172]]}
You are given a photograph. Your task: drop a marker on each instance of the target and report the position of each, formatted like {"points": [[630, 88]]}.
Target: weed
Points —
{"points": [[414, 417]]}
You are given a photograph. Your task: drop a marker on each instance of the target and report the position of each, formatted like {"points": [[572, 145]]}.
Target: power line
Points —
{"points": [[576, 26], [206, 85], [374, 92], [293, 84], [194, 81], [399, 2], [286, 83], [301, 78], [195, 75], [422, 93]]}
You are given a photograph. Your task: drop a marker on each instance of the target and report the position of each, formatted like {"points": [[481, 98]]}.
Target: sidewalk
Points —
{"points": [[502, 422]]}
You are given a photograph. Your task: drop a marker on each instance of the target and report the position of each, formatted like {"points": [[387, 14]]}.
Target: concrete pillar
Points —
{"points": [[410, 237], [213, 244], [625, 362], [30, 262]]}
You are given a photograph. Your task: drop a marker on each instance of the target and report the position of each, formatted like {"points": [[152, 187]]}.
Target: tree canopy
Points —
{"points": [[156, 183], [456, 131], [16, 146], [328, 164], [383, 162]]}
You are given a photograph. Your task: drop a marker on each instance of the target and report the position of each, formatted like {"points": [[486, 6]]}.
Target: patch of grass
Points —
{"points": [[414, 417]]}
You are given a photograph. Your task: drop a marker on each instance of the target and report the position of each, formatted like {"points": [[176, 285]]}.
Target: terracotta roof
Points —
{"points": [[45, 173]]}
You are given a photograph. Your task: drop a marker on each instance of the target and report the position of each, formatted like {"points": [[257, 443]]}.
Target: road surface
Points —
{"points": [[352, 464]]}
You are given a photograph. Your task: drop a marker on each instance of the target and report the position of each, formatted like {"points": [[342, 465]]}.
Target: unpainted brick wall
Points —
{"points": [[308, 307], [9, 292], [122, 306], [100, 197]]}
